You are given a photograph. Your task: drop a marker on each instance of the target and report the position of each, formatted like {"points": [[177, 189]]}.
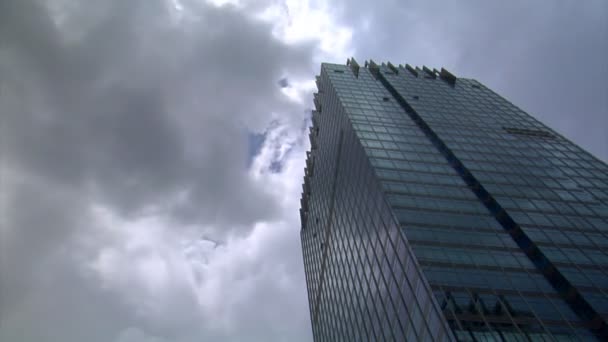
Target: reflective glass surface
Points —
{"points": [[435, 209]]}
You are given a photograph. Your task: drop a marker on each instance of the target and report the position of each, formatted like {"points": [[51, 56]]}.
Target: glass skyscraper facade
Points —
{"points": [[434, 209]]}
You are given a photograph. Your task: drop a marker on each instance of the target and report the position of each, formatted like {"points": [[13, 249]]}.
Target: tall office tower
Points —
{"points": [[435, 210]]}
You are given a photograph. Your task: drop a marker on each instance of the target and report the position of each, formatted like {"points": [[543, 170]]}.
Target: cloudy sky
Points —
{"points": [[152, 151]]}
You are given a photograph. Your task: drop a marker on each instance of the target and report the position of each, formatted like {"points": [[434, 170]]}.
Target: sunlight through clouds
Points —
{"points": [[297, 21]]}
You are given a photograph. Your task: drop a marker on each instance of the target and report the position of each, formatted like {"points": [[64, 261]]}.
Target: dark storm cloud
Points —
{"points": [[549, 58], [142, 114]]}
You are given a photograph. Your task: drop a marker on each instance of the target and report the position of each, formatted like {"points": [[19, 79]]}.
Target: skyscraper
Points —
{"points": [[434, 209]]}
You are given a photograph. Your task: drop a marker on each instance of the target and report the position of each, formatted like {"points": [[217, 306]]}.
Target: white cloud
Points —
{"points": [[297, 21], [299, 91], [157, 270]]}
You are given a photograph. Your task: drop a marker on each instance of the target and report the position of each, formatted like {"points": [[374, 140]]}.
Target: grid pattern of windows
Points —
{"points": [[514, 165], [364, 283], [399, 244]]}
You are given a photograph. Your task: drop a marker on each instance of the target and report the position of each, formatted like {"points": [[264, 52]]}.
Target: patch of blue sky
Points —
{"points": [[254, 142]]}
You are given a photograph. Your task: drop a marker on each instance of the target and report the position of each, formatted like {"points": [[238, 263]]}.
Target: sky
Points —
{"points": [[152, 151]]}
